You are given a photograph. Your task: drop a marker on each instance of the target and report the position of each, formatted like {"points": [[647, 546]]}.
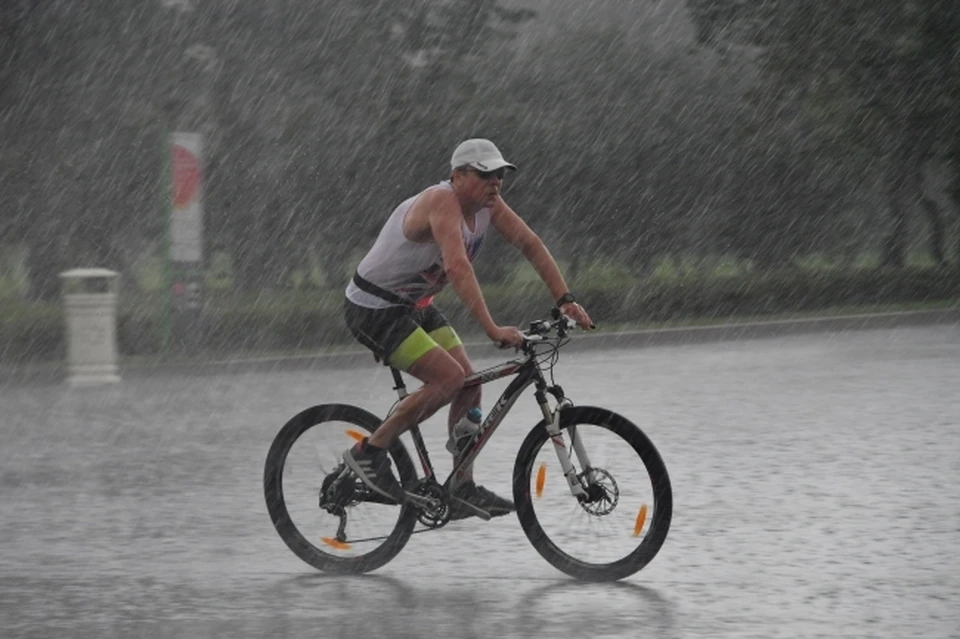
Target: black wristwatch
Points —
{"points": [[567, 298]]}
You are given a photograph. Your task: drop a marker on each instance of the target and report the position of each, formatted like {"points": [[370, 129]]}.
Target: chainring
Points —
{"points": [[432, 517]]}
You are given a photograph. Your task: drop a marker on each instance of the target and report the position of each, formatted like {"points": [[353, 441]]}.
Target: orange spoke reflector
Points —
{"points": [[355, 435], [541, 479], [641, 517], [334, 543]]}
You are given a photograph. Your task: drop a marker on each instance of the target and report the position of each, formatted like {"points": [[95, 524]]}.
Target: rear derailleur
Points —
{"points": [[342, 488]]}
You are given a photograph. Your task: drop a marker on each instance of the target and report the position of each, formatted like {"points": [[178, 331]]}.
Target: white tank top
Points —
{"points": [[412, 270]]}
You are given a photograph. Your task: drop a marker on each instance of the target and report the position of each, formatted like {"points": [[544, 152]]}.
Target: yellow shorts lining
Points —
{"points": [[419, 342]]}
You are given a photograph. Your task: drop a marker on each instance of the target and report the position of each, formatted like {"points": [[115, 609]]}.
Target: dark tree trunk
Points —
{"points": [[903, 189], [937, 230], [931, 209], [954, 192], [894, 249]]}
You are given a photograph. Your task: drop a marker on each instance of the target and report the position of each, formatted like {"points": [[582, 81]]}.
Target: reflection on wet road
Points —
{"points": [[816, 486]]}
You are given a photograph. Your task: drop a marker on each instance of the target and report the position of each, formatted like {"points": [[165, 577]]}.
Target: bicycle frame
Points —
{"points": [[433, 505], [527, 372]]}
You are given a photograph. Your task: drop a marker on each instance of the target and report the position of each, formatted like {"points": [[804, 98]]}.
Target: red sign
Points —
{"points": [[186, 177]]}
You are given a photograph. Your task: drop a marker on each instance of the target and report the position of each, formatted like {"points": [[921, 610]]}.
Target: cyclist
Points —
{"points": [[428, 240]]}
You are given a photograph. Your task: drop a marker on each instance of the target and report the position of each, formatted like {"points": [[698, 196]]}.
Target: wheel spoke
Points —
{"points": [[616, 526], [322, 512]]}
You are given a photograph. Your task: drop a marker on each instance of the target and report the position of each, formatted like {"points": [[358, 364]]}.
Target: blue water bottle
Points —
{"points": [[464, 431]]}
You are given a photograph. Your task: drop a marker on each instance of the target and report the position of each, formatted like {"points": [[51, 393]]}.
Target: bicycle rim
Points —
{"points": [[621, 525], [303, 460]]}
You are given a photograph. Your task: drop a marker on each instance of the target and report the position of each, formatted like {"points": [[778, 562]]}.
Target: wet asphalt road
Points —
{"points": [[816, 494]]}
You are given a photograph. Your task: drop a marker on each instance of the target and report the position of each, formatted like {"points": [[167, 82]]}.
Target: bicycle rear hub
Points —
{"points": [[337, 490]]}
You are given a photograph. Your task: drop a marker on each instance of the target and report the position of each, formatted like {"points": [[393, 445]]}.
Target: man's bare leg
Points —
{"points": [[464, 400], [463, 487], [442, 378]]}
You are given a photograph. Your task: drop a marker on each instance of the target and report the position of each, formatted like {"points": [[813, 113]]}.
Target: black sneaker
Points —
{"points": [[372, 466], [479, 497]]}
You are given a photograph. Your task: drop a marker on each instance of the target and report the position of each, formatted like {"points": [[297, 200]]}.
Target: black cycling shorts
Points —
{"points": [[400, 335]]}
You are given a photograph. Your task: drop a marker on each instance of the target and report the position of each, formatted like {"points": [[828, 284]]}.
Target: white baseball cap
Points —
{"points": [[481, 154]]}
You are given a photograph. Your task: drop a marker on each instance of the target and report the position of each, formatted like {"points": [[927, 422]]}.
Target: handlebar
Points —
{"points": [[539, 329]]}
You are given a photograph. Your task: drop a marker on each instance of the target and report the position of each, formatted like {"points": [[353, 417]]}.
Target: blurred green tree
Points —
{"points": [[878, 77]]}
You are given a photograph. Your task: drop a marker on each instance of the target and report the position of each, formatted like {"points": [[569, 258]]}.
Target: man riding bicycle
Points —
{"points": [[431, 239]]}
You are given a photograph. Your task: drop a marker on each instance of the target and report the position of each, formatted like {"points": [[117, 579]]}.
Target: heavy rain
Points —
{"points": [[756, 203]]}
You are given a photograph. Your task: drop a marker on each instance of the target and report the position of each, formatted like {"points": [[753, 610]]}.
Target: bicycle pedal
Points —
{"points": [[479, 512]]}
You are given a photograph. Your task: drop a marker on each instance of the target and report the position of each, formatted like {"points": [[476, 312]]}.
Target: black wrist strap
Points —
{"points": [[567, 298]]}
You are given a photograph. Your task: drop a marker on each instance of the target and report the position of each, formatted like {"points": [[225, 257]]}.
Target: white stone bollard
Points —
{"points": [[90, 295]]}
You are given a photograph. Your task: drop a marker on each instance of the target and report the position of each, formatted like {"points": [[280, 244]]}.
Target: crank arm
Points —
{"points": [[420, 500], [479, 512]]}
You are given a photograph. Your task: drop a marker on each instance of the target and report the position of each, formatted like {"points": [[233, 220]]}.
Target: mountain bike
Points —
{"points": [[592, 492]]}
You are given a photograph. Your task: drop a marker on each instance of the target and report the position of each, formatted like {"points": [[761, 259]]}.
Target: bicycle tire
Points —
{"points": [[277, 508], [656, 470]]}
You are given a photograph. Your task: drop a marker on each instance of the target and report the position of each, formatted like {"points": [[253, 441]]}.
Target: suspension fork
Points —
{"points": [[552, 419]]}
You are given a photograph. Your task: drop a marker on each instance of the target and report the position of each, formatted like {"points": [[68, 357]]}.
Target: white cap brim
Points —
{"points": [[493, 165]]}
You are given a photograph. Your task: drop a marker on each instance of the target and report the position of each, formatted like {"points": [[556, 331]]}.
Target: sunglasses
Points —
{"points": [[489, 175]]}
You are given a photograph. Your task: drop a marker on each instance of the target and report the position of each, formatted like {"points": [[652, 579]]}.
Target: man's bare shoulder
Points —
{"points": [[416, 226], [438, 199]]}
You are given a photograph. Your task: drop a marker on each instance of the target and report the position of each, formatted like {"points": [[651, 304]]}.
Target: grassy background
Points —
{"points": [[306, 314]]}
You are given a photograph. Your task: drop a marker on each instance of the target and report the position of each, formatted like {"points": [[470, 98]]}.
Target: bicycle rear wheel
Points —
{"points": [[621, 523], [326, 516]]}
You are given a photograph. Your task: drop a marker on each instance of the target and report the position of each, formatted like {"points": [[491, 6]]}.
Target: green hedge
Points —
{"points": [[30, 331], [295, 321], [312, 320], [234, 324], [759, 295]]}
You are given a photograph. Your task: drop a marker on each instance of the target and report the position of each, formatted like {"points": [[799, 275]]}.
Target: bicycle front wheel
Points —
{"points": [[325, 514], [620, 521]]}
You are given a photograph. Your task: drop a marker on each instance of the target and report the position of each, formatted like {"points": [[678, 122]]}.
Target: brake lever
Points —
{"points": [[565, 324]]}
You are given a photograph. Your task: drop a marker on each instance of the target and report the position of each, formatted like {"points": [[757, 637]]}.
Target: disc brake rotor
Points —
{"points": [[602, 492]]}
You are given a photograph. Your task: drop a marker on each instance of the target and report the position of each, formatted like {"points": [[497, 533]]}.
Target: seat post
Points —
{"points": [[400, 387]]}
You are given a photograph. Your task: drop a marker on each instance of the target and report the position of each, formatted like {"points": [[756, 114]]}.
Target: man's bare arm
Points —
{"points": [[445, 219]]}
